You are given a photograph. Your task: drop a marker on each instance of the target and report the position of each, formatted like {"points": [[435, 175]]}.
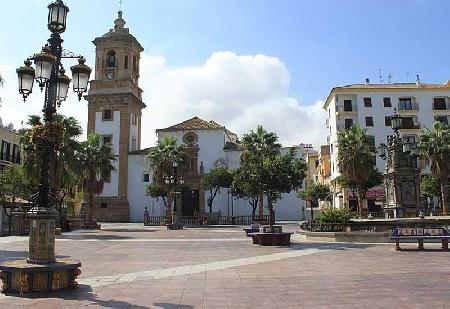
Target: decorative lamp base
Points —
{"points": [[22, 277]]}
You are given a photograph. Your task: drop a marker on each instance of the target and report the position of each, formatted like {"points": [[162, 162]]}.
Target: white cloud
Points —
{"points": [[239, 92]]}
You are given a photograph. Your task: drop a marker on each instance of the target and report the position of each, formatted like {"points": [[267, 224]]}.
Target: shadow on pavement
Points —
{"points": [[93, 237], [171, 306], [328, 246], [7, 255], [84, 293]]}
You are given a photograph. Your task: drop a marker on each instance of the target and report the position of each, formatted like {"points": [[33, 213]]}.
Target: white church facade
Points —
{"points": [[115, 113]]}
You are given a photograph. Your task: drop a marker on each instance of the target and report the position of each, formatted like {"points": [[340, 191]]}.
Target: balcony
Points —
{"points": [[411, 126], [440, 106], [408, 107], [346, 109]]}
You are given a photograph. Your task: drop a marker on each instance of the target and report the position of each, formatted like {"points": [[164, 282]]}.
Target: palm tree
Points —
{"points": [[64, 167], [259, 144], [261, 141], [355, 159], [434, 147], [162, 160], [96, 163]]}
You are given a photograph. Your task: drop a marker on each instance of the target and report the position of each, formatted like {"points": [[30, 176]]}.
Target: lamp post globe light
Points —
{"points": [[41, 272]]}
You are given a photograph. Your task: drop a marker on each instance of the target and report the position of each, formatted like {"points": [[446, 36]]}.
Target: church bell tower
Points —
{"points": [[115, 109]]}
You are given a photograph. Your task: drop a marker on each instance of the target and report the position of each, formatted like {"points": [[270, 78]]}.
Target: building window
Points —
{"points": [[404, 104], [133, 118], [134, 64], [125, 63], [103, 205], [107, 114], [387, 121], [408, 123], [387, 102], [439, 103], [111, 59], [410, 139], [348, 105], [367, 102], [348, 123], [146, 177], [442, 119], [331, 148], [107, 139], [133, 144], [190, 138], [369, 121]]}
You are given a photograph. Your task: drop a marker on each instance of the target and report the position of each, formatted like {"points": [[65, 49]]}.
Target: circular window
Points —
{"points": [[190, 138]]}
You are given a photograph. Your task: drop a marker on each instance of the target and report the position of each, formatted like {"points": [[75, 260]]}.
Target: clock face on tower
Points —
{"points": [[110, 75]]}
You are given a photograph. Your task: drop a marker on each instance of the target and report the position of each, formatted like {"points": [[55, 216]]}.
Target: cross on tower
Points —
{"points": [[120, 5]]}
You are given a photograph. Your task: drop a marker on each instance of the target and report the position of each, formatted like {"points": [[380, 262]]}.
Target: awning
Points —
{"points": [[373, 193]]}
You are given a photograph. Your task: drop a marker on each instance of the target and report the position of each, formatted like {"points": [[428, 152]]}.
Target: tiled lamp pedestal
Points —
{"points": [[40, 272]]}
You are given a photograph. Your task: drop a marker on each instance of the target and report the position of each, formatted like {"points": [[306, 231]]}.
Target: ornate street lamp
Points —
{"points": [[62, 86], [57, 16], [80, 75], [26, 76], [401, 177], [50, 76], [44, 63], [396, 122]]}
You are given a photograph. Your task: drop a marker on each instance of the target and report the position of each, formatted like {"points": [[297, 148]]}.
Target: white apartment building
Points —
{"points": [[371, 106]]}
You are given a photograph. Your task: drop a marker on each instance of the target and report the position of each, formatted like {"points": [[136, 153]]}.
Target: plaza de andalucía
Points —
{"points": [[115, 113]]}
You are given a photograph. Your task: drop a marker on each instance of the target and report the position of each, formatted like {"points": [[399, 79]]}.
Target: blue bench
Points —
{"points": [[420, 234]]}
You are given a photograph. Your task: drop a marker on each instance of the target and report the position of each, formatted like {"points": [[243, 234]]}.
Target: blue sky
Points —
{"points": [[321, 43]]}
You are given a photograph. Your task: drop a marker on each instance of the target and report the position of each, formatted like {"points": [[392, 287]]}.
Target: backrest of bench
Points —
{"points": [[413, 231]]}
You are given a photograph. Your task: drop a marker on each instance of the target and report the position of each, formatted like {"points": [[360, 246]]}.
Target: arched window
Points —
{"points": [[134, 63], [111, 59], [125, 63]]}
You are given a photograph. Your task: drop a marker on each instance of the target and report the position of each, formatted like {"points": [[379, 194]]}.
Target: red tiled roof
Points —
{"points": [[193, 124]]}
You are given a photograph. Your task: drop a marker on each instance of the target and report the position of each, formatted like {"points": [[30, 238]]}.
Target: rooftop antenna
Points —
{"points": [[381, 76], [120, 5], [389, 76]]}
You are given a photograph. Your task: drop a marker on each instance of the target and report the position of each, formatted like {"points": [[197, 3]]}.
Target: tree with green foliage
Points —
{"points": [[157, 192], [13, 185], [246, 185], [317, 192], [429, 187], [96, 163], [166, 159], [214, 180], [356, 151], [434, 147], [65, 172], [334, 215], [275, 173]]}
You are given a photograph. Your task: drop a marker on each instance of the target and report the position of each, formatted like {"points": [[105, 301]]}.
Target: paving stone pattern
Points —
{"points": [[127, 266]]}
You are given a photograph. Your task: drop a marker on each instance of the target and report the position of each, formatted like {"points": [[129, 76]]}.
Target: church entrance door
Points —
{"points": [[190, 202]]}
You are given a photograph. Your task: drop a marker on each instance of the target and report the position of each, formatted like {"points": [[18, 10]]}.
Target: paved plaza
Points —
{"points": [[131, 266]]}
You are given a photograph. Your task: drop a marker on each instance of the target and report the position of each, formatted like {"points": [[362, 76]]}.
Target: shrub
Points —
{"points": [[332, 215]]}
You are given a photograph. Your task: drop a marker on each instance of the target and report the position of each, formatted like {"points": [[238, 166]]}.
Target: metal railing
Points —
{"points": [[192, 221], [154, 220], [441, 106], [375, 226], [408, 107]]}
